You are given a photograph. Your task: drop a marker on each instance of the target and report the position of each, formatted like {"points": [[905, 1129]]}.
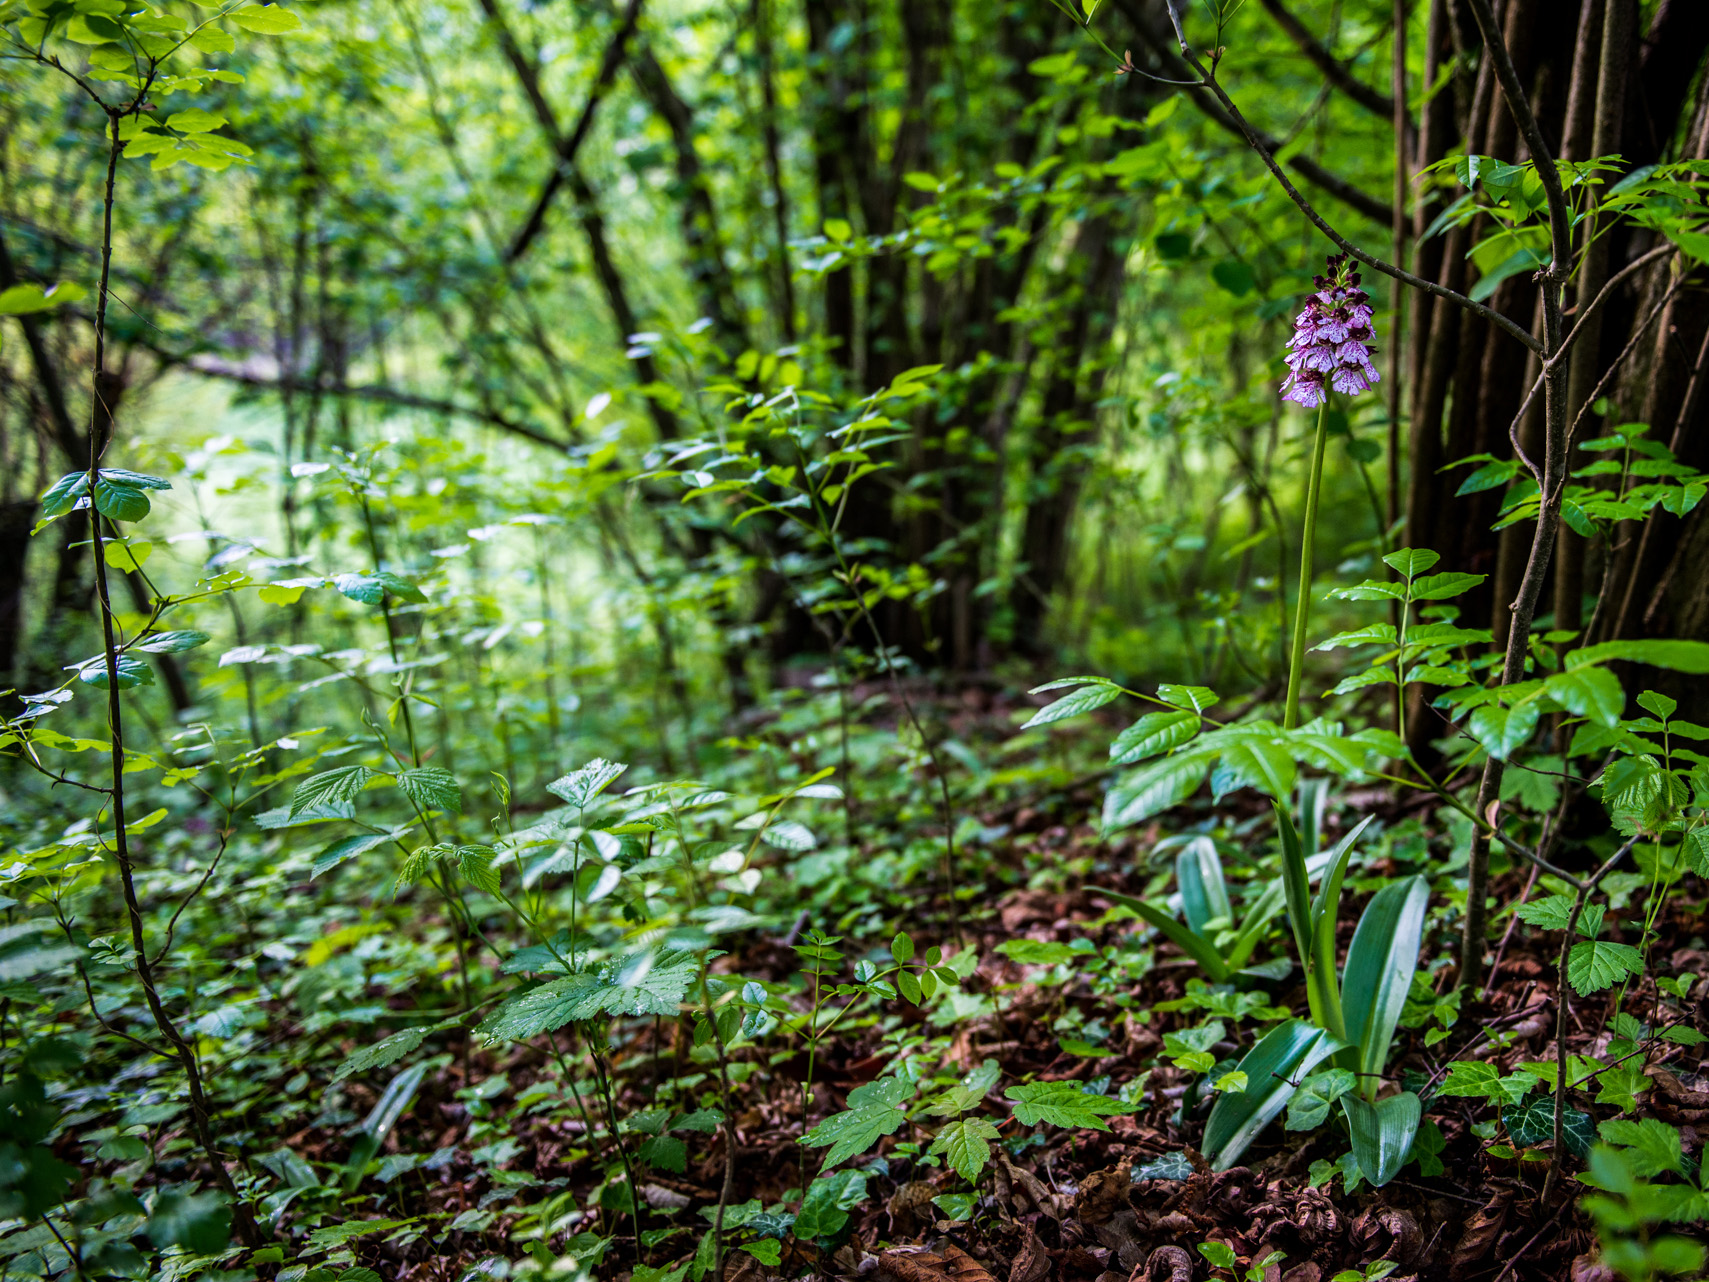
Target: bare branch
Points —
{"points": [[1334, 70]]}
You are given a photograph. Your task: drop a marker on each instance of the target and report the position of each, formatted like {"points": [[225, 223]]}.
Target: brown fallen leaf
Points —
{"points": [[913, 1266], [1167, 1264], [1032, 1262], [1483, 1227], [959, 1266]]}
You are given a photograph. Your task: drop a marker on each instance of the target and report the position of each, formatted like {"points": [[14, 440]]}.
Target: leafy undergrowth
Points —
{"points": [[1035, 1113]]}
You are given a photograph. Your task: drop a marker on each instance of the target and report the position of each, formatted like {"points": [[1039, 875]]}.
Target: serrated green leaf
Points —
{"points": [[330, 788], [580, 787], [1650, 1147], [432, 788], [875, 1109], [966, 1146], [1064, 1104], [1597, 964], [645, 983]]}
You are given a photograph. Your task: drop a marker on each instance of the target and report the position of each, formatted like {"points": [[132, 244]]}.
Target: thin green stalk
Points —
{"points": [[1308, 539]]}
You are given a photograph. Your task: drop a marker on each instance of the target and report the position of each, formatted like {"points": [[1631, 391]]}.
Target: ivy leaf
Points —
{"points": [[1064, 1104], [330, 788], [875, 1109], [966, 1146], [1597, 964], [1171, 1166], [432, 788], [1472, 1079], [1533, 1122], [1309, 1106], [829, 1199]]}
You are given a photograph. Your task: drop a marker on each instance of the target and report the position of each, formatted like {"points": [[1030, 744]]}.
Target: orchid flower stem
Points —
{"points": [[1308, 539]]}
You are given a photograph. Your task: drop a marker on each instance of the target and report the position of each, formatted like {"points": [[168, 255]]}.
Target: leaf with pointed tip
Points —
{"points": [[1380, 966], [1141, 793], [1195, 946], [1084, 699], [1153, 733], [1382, 1133]]}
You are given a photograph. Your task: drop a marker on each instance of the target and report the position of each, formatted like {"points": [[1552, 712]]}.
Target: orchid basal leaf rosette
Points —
{"points": [[1331, 347]]}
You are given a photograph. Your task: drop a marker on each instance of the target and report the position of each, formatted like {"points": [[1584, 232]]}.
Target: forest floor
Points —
{"points": [[1131, 1203]]}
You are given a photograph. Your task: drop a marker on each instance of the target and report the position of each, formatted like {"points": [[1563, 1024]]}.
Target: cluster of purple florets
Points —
{"points": [[1331, 346]]}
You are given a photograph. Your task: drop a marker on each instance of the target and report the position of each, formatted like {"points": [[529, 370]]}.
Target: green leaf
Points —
{"points": [[1441, 587], [266, 20], [1411, 562], [194, 121], [875, 1109], [1139, 794], [331, 788], [1555, 911], [1064, 1104], [388, 1050], [1680, 656], [966, 1146], [902, 949], [62, 496], [198, 1222], [1378, 976], [1371, 634], [665, 1153], [1204, 894], [1309, 1106], [829, 1199], [1036, 952], [130, 672], [171, 642], [1651, 1147], [349, 848], [1194, 945], [120, 502], [1382, 1133], [1085, 699], [21, 300], [1256, 763], [580, 787], [1589, 692], [1153, 733], [645, 983], [1283, 1057], [1234, 276], [1192, 698], [372, 589], [1532, 1122], [1502, 731], [432, 788], [1597, 964], [1472, 1079]]}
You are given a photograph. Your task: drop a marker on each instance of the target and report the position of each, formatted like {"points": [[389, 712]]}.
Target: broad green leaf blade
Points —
{"points": [[1382, 1133], [1589, 692], [1085, 699], [1597, 964], [582, 786], [1254, 924], [1153, 733], [1195, 946], [1272, 1067], [875, 1109], [1411, 562], [1064, 1104], [1141, 793], [1204, 893], [1296, 885], [1681, 656], [1380, 964]]}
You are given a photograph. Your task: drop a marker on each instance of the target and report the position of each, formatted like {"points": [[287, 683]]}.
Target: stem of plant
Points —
{"points": [[1308, 540]]}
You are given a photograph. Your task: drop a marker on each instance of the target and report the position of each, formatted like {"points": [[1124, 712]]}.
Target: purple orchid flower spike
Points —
{"points": [[1331, 346]]}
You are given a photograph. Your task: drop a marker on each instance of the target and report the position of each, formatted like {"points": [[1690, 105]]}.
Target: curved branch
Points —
{"points": [[1560, 225], [1257, 143], [1314, 173], [1334, 70]]}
